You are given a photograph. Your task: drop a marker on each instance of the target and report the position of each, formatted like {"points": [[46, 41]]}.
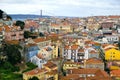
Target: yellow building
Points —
{"points": [[55, 51], [39, 73], [49, 72], [52, 75], [112, 54], [52, 70], [71, 65]]}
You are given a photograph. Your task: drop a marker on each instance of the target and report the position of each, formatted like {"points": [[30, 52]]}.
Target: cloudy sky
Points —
{"points": [[62, 7]]}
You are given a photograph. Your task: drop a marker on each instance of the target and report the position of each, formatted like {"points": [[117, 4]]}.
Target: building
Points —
{"points": [[55, 51], [115, 74], [1, 36], [94, 63], [70, 52], [72, 65], [81, 55], [30, 50], [52, 69], [48, 72], [42, 42], [93, 54], [39, 73], [31, 25], [46, 53], [86, 74], [112, 54], [38, 60], [13, 33], [112, 38]]}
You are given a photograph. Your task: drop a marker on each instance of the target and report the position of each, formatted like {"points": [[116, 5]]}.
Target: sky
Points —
{"points": [[76, 8]]}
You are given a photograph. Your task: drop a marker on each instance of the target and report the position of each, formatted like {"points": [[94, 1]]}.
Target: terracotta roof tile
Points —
{"points": [[50, 64], [81, 50], [70, 62], [39, 55], [93, 52], [115, 72], [1, 29], [7, 28], [12, 41], [94, 61], [37, 40], [30, 44], [67, 47], [35, 71], [53, 72], [74, 47]]}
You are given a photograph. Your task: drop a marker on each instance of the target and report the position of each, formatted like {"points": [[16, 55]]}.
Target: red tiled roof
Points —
{"points": [[66, 47], [50, 64], [39, 55], [94, 61], [115, 72], [30, 44], [1, 29], [37, 40], [74, 47], [93, 52], [7, 28], [75, 73], [35, 71], [81, 50]]}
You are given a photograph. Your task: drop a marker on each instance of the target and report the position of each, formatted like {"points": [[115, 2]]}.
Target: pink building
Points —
{"points": [[13, 33]]}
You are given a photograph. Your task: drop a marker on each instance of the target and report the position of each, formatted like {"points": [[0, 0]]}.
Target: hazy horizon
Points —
{"points": [[73, 8]]}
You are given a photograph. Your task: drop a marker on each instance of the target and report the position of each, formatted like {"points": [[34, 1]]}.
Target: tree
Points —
{"points": [[41, 34], [20, 23], [34, 78], [27, 34], [118, 44], [1, 12], [13, 53], [9, 17]]}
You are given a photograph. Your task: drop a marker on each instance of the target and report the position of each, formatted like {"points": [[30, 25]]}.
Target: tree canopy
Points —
{"points": [[13, 53], [34, 78], [20, 23]]}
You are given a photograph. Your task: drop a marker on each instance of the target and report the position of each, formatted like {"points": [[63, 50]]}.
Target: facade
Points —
{"points": [[93, 54], [46, 53], [112, 38], [37, 60], [1, 36], [48, 72], [13, 33], [81, 55], [115, 74], [30, 51], [72, 65], [42, 42], [86, 74], [94, 63], [70, 52], [55, 51], [31, 25], [52, 73], [112, 54], [58, 28], [39, 73]]}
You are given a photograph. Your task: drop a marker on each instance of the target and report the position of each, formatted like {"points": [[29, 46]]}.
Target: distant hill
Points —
{"points": [[26, 16]]}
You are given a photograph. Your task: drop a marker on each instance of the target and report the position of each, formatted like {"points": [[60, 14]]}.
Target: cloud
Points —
{"points": [[60, 7]]}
